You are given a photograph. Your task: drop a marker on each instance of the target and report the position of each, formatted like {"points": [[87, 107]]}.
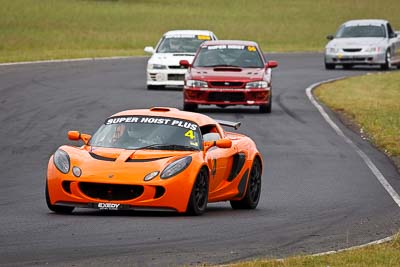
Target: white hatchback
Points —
{"points": [[163, 67]]}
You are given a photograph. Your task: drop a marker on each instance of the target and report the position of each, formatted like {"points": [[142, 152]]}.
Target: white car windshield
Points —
{"points": [[148, 132], [184, 44], [361, 31], [229, 56]]}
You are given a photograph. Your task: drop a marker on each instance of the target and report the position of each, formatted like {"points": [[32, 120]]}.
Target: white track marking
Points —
{"points": [[66, 60], [381, 178]]}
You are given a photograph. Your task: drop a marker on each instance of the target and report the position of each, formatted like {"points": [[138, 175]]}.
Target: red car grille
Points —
{"points": [[227, 84], [220, 96], [111, 191]]}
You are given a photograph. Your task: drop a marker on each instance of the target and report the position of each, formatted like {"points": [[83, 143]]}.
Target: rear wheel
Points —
{"points": [[56, 208], [199, 196], [253, 191], [189, 107], [388, 61]]}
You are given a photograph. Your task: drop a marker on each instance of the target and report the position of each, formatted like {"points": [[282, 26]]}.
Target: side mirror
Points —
{"points": [[393, 35], [271, 64], [184, 63], [149, 49], [330, 37], [75, 136]]}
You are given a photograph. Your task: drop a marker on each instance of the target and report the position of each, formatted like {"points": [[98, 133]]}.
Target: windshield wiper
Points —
{"points": [[167, 147]]}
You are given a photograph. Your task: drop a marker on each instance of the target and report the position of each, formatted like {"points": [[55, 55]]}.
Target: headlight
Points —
{"points": [[374, 49], [258, 84], [157, 67], [151, 175], [196, 83], [61, 160], [176, 167], [332, 50]]}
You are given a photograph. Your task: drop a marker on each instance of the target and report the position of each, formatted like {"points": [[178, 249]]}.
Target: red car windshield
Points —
{"points": [[229, 56]]}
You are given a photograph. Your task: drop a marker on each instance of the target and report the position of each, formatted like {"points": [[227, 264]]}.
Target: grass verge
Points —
{"points": [[49, 29], [387, 254], [370, 104]]}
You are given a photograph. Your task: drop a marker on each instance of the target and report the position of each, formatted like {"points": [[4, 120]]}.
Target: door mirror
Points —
{"points": [[330, 37], [149, 49], [184, 63], [271, 64], [75, 136]]}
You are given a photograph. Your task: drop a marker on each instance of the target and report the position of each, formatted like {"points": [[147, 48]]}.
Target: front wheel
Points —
{"points": [[329, 66], [155, 87], [253, 191], [267, 108], [56, 208], [189, 107], [199, 197], [388, 61]]}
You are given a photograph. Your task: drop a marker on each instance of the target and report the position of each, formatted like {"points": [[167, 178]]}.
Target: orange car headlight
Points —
{"points": [[176, 167], [61, 160]]}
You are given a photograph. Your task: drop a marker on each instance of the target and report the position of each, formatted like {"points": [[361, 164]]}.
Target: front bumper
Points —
{"points": [[355, 58], [119, 193], [226, 97], [168, 77]]}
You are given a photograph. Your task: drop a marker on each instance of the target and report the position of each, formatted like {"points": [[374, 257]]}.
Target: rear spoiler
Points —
{"points": [[235, 125]]}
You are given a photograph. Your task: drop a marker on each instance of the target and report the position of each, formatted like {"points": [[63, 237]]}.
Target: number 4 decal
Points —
{"points": [[190, 134]]}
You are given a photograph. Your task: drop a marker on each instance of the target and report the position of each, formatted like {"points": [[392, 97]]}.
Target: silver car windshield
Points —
{"points": [[361, 31], [139, 132], [180, 45], [229, 56]]}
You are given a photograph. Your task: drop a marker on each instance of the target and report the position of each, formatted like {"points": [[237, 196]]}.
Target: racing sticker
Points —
{"points": [[181, 36], [152, 120], [203, 37], [108, 206], [251, 48]]}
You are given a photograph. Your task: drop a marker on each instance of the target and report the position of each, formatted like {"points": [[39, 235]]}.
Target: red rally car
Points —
{"points": [[227, 72]]}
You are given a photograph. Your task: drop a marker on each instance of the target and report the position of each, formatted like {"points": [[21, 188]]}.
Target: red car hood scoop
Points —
{"points": [[234, 69]]}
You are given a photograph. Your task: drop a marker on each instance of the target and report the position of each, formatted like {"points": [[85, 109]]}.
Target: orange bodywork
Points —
{"points": [[105, 171]]}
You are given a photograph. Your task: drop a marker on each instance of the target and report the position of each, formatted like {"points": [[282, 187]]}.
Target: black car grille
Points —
{"points": [[176, 77], [351, 49], [227, 84], [177, 67], [221, 96], [111, 191]]}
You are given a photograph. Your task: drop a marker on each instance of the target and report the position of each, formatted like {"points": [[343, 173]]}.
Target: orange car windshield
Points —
{"points": [[148, 132]]}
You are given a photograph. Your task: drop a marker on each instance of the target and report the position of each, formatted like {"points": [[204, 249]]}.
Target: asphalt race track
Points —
{"points": [[318, 194]]}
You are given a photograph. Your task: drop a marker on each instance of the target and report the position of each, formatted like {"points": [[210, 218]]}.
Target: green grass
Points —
{"points": [[46, 29], [372, 103], [383, 255]]}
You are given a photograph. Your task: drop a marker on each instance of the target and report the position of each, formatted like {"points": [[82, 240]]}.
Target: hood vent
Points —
{"points": [[144, 160], [228, 69], [183, 55], [95, 156]]}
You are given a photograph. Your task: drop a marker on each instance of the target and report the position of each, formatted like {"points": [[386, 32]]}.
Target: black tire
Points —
{"points": [[155, 87], [57, 208], [253, 191], [268, 107], [329, 66], [388, 61], [190, 107], [199, 196]]}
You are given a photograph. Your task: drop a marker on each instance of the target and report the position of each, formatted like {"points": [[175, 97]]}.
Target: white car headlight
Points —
{"points": [[157, 67], [61, 160], [151, 175], [374, 49], [176, 167], [258, 85], [196, 83], [332, 50]]}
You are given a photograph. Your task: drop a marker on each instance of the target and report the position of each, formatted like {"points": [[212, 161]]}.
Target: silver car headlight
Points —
{"points": [[196, 83], [62, 161], [176, 167], [374, 49], [332, 50], [257, 85], [157, 67]]}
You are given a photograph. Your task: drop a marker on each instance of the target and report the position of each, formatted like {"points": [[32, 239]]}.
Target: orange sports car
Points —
{"points": [[155, 159]]}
